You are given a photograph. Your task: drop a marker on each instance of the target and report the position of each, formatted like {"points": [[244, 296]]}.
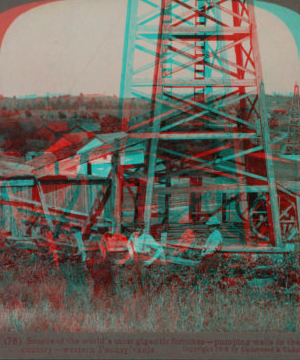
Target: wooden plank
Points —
{"points": [[40, 213], [70, 200], [28, 240], [241, 249], [30, 203], [184, 30], [192, 136], [14, 208], [98, 207], [203, 189], [15, 166], [180, 261], [37, 210], [177, 82], [89, 156]]}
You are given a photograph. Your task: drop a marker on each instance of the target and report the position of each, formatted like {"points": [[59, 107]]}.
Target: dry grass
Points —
{"points": [[64, 303]]}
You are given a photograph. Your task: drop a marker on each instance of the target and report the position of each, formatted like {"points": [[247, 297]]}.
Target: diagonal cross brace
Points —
{"points": [[97, 207]]}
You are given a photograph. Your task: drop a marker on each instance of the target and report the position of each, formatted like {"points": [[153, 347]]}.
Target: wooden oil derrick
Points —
{"points": [[292, 147], [207, 120]]}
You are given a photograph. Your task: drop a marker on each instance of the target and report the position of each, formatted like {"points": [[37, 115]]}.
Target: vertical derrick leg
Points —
{"points": [[156, 109], [238, 144], [124, 106], [150, 184], [275, 221]]}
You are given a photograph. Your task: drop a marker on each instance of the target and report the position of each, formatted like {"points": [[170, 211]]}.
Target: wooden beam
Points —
{"points": [[203, 189], [14, 208], [192, 136], [178, 82], [97, 207], [185, 30], [242, 249]]}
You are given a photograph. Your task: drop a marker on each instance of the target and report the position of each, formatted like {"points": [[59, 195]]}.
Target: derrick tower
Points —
{"points": [[295, 107], [293, 141], [206, 135]]}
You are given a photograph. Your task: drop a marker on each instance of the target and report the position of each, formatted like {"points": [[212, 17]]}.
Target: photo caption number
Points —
{"points": [[12, 341]]}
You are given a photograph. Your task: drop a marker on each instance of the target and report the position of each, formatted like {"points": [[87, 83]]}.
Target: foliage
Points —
{"points": [[35, 296]]}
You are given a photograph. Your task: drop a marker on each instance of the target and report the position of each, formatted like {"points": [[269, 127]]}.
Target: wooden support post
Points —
{"points": [[80, 245], [157, 96], [265, 130], [124, 107], [97, 208], [297, 246], [238, 143], [270, 171], [14, 208], [167, 200], [69, 201], [89, 168], [195, 199], [2, 213], [269, 215], [224, 209], [56, 168], [49, 221], [141, 194], [298, 212]]}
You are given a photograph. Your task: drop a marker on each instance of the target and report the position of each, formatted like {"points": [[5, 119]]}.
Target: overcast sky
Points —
{"points": [[72, 47]]}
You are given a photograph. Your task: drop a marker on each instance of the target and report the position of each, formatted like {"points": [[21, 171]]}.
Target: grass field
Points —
{"points": [[42, 299]]}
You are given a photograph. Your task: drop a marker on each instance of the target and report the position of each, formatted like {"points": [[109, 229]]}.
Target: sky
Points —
{"points": [[73, 47]]}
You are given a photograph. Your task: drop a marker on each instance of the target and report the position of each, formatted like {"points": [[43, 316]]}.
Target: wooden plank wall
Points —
{"points": [[54, 196]]}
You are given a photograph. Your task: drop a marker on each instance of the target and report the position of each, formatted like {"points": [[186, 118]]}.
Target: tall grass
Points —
{"points": [[62, 301]]}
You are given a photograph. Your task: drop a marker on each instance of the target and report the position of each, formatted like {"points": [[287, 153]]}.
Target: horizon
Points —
{"points": [[33, 96]]}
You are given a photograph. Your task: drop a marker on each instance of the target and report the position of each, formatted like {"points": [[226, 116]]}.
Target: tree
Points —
{"points": [[95, 116], [62, 115], [109, 124], [3, 112], [28, 113], [83, 114]]}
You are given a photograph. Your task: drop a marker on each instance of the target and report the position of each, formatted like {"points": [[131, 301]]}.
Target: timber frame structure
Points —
{"points": [[208, 117], [206, 141]]}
